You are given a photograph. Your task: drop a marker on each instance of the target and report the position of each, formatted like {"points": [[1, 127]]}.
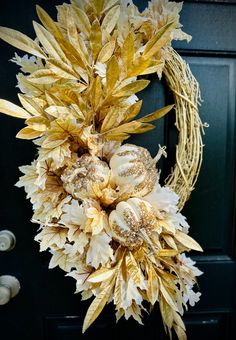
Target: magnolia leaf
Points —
{"points": [[28, 133], [38, 123], [131, 88], [13, 110], [97, 306], [127, 51], [42, 77], [157, 114], [95, 39], [111, 18], [106, 52], [158, 41], [49, 42], [21, 41], [101, 275], [82, 21], [187, 241], [112, 73], [61, 69]]}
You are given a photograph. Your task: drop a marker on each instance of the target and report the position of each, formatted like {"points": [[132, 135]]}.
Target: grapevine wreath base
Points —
{"points": [[103, 214]]}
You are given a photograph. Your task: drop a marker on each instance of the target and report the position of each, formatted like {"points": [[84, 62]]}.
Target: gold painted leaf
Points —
{"points": [[122, 132], [51, 26], [13, 110], [64, 261], [131, 88], [153, 285], [111, 18], [53, 141], [157, 114], [127, 51], [101, 275], [112, 73], [38, 123], [106, 52], [139, 66], [187, 241], [111, 120], [95, 39], [132, 111], [50, 236], [167, 296], [97, 306], [158, 40], [167, 252], [166, 312], [30, 105], [179, 321], [28, 133], [44, 76], [49, 42], [72, 34], [108, 4], [61, 69], [57, 111], [170, 241], [21, 41], [180, 332], [156, 67], [96, 92], [133, 268], [98, 6], [82, 21]]}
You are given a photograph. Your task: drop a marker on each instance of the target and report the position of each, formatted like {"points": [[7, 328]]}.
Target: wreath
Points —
{"points": [[102, 212]]}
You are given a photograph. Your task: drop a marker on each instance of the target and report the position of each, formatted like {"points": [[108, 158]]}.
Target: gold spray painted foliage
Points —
{"points": [[102, 212]]}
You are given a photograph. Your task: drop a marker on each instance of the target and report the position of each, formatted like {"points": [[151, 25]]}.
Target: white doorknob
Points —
{"points": [[7, 240], [9, 287]]}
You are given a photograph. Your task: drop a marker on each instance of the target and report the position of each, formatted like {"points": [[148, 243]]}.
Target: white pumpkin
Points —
{"points": [[134, 170], [88, 171], [132, 222]]}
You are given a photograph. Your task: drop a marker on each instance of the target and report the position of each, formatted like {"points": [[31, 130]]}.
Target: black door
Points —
{"points": [[46, 307]]}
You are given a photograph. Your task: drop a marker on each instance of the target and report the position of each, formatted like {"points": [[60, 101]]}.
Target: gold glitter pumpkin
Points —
{"points": [[134, 170], [87, 172], [132, 222]]}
